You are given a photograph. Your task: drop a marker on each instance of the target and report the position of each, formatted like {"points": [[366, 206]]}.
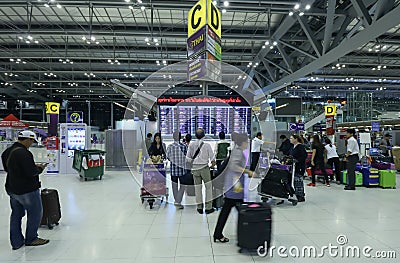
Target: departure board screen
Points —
{"points": [[212, 119]]}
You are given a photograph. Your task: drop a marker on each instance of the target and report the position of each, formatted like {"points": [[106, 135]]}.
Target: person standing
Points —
{"points": [[234, 184], [352, 157], [176, 154], [147, 143], [385, 144], [333, 159], [318, 160], [201, 170], [299, 153], [23, 187], [157, 148], [286, 145], [256, 145], [221, 149]]}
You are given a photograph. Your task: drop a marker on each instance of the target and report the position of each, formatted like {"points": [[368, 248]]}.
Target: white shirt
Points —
{"points": [[352, 146], [331, 151], [256, 145], [206, 153]]}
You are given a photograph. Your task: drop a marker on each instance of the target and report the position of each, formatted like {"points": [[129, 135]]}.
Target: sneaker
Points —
{"points": [[200, 211], [328, 184], [311, 184], [349, 188], [38, 242]]}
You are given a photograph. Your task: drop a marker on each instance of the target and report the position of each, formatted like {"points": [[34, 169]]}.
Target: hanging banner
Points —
{"points": [[330, 125]]}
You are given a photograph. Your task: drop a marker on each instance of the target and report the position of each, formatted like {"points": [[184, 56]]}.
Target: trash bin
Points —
{"points": [[89, 163]]}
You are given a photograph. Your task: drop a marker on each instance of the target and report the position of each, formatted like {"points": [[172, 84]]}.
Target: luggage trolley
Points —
{"points": [[154, 183], [278, 183]]}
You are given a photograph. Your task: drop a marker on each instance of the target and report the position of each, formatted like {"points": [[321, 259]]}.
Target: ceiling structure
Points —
{"points": [[70, 50]]}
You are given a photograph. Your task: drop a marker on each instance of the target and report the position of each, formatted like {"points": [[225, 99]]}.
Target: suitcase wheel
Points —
{"points": [[142, 200], [85, 179], [294, 202]]}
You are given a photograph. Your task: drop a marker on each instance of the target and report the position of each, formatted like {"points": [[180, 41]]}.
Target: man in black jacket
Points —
{"points": [[23, 187], [286, 146]]}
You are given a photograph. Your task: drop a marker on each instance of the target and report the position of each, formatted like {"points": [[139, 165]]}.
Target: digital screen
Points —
{"points": [[76, 139], [212, 119], [288, 106]]}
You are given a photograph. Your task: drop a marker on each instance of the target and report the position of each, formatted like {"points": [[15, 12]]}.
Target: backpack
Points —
{"points": [[222, 150]]}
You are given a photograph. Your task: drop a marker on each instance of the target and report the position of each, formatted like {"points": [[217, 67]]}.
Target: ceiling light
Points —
{"points": [[301, 14], [127, 1], [139, 1], [142, 8], [215, 2], [84, 38], [275, 43], [92, 38], [226, 3], [308, 7], [271, 47], [155, 40], [130, 7], [291, 13], [263, 46], [46, 5], [146, 39], [370, 49], [224, 11], [297, 6], [267, 43], [59, 6], [29, 37]]}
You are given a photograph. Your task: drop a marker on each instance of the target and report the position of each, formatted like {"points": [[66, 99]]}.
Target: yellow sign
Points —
{"points": [[197, 17], [330, 110], [256, 108], [214, 18], [52, 108]]}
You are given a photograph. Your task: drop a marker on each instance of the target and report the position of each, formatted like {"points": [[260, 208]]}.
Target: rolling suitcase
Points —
{"points": [[370, 176], [254, 225], [387, 179], [51, 208]]}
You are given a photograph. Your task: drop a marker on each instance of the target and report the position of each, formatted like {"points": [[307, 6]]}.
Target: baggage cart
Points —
{"points": [[154, 183]]}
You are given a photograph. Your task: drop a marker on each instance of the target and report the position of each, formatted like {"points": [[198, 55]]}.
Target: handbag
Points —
{"points": [[191, 160]]}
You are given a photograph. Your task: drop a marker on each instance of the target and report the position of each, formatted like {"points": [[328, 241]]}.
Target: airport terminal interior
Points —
{"points": [[311, 85]]}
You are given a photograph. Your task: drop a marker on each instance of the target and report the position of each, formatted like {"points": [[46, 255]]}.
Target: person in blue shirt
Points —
{"points": [[234, 183]]}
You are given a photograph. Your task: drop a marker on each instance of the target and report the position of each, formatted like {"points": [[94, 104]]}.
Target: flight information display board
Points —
{"points": [[212, 119]]}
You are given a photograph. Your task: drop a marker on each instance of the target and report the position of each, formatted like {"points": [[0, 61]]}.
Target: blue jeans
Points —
{"points": [[32, 203]]}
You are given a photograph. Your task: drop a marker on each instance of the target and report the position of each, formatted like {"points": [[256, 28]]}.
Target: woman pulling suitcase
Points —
{"points": [[234, 184], [300, 154]]}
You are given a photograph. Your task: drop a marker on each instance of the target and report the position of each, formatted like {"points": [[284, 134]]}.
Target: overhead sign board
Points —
{"points": [[197, 43], [292, 126], [75, 117], [330, 110], [214, 18], [197, 17], [52, 108], [376, 126]]}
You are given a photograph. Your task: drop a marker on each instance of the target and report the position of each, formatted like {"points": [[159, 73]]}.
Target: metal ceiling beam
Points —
{"points": [[362, 12], [329, 25], [297, 49], [285, 57], [309, 33], [376, 29]]}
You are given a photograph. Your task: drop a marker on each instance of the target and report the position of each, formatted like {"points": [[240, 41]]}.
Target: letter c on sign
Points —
{"points": [[196, 25], [53, 108]]}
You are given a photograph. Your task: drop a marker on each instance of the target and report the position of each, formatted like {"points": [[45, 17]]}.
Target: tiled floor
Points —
{"points": [[104, 221]]}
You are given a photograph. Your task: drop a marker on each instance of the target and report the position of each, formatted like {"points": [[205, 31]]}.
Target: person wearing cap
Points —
{"points": [[385, 144], [352, 157], [23, 187]]}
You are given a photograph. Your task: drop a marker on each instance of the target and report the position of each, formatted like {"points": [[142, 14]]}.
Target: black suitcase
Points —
{"points": [[254, 226], [51, 208]]}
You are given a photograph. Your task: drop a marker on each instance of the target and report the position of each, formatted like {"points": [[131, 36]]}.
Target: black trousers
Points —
{"points": [[223, 215], [336, 162], [351, 169], [255, 157], [321, 166]]}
